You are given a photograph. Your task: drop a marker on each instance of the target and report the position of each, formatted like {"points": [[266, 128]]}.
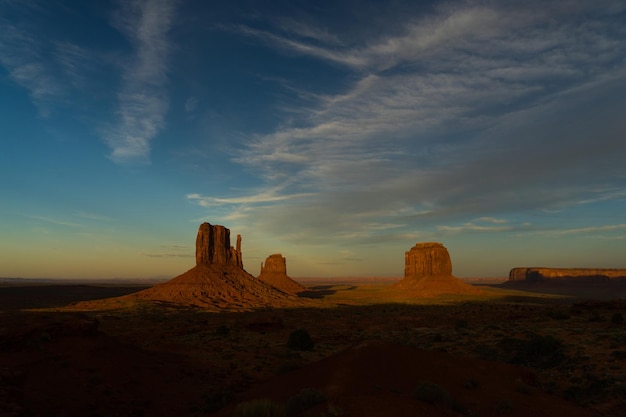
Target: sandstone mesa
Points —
{"points": [[567, 275], [218, 281], [428, 272]]}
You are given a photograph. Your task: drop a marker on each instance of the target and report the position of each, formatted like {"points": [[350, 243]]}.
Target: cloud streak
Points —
{"points": [[23, 54], [464, 113], [143, 100]]}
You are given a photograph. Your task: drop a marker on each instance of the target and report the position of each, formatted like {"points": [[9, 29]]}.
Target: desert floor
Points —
{"points": [[507, 352]]}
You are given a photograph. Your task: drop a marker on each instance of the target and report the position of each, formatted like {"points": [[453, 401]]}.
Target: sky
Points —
{"points": [[337, 133]]}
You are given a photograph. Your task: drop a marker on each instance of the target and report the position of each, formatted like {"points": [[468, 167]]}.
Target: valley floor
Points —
{"points": [[506, 352]]}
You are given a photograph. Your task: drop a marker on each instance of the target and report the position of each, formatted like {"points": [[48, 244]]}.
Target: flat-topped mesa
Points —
{"points": [[213, 247], [538, 274], [428, 273], [426, 259], [275, 263]]}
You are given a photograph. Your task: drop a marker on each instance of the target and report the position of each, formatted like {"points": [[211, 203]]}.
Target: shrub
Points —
{"points": [[617, 318], [545, 351], [305, 399], [558, 315], [260, 408], [300, 340], [539, 351], [222, 330], [461, 324]]}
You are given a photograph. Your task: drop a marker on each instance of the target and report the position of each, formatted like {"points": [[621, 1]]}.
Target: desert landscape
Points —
{"points": [[218, 341], [312, 208]]}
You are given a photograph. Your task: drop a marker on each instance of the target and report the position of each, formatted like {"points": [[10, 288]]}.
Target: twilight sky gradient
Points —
{"points": [[337, 133]]}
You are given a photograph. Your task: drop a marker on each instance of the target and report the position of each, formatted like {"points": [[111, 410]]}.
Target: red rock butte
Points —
{"points": [[274, 272], [428, 272], [218, 281]]}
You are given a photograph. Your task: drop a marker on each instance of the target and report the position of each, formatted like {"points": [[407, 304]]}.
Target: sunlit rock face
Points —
{"points": [[425, 259], [274, 272], [275, 263], [213, 246], [428, 273], [218, 281], [566, 274]]}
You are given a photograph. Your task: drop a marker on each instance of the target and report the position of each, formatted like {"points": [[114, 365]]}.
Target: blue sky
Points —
{"points": [[337, 133]]}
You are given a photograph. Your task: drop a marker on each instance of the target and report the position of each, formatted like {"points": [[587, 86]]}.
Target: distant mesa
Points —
{"points": [[428, 272], [566, 275], [274, 272]]}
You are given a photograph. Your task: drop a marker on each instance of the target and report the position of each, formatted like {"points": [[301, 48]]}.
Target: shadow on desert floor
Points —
{"points": [[322, 291], [221, 359], [605, 291]]}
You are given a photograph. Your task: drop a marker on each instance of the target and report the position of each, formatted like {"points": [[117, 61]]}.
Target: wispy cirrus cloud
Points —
{"points": [[58, 222], [591, 230], [487, 69], [143, 99], [24, 56], [52, 69], [469, 111], [263, 197]]}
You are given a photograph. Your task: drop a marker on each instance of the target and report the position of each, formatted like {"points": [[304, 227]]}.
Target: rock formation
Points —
{"points": [[274, 272], [218, 281], [588, 275], [429, 258], [428, 272], [213, 247]]}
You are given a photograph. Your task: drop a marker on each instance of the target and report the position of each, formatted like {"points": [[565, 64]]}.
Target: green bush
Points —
{"points": [[260, 408], [300, 340]]}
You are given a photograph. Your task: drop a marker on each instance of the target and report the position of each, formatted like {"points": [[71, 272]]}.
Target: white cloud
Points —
{"points": [[143, 100], [473, 112], [471, 227], [591, 229], [271, 195], [404, 112]]}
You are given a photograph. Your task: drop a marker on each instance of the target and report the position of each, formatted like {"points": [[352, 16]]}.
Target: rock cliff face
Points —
{"points": [[595, 275], [274, 272], [213, 246], [429, 258], [428, 272]]}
